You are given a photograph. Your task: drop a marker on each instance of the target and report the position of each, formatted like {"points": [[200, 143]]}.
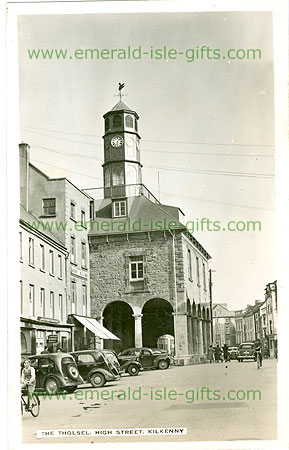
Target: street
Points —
{"points": [[169, 398]]}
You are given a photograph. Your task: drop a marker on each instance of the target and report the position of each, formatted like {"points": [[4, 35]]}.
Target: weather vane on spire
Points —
{"points": [[120, 87]]}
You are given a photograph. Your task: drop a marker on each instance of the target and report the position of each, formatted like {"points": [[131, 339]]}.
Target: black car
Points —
{"points": [[96, 367], [55, 372], [125, 365], [147, 357]]}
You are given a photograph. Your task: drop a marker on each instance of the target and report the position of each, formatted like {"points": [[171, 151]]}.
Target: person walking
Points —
{"points": [[217, 354], [226, 352], [210, 354]]}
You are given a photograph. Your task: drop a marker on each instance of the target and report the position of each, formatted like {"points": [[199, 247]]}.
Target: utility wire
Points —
{"points": [[145, 140], [177, 169]]}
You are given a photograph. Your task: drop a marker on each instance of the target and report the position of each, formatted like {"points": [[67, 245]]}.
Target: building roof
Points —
{"points": [[222, 311], [144, 216], [37, 225]]}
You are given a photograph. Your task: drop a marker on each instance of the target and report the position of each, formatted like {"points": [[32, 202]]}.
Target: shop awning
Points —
{"points": [[96, 328]]}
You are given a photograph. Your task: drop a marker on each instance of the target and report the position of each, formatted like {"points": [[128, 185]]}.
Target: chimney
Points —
{"points": [[24, 157]]}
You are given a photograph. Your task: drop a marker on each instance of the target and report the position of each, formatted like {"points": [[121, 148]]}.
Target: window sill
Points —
{"points": [[32, 265], [60, 278], [51, 274], [73, 219], [190, 280], [42, 270], [73, 263], [21, 260], [46, 216], [84, 267]]}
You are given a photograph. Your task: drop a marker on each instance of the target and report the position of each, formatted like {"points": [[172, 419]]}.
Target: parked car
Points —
{"points": [[246, 351], [147, 357], [125, 365], [233, 352], [96, 367], [55, 372]]}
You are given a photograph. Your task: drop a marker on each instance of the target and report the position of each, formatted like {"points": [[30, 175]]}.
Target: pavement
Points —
{"points": [[214, 402]]}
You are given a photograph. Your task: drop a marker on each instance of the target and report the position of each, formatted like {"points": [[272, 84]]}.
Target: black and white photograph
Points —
{"points": [[147, 288]]}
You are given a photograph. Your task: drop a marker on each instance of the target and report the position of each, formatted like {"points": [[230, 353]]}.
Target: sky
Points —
{"points": [[207, 126]]}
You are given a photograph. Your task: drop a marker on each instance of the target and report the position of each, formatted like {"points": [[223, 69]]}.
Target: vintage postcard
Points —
{"points": [[146, 284]]}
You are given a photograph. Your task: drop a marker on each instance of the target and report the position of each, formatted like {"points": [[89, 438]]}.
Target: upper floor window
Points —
{"points": [[83, 218], [60, 304], [129, 122], [117, 176], [119, 208], [73, 297], [91, 209], [42, 257], [72, 210], [49, 206], [83, 254], [198, 270], [73, 249], [117, 122], [51, 262], [136, 272], [107, 178], [84, 299], [60, 267], [21, 296], [31, 251], [204, 277], [189, 258]]}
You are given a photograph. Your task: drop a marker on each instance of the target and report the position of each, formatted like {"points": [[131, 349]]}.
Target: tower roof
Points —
{"points": [[120, 106]]}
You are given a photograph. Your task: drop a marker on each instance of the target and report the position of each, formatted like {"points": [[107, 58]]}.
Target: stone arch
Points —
{"points": [[157, 321], [199, 312], [118, 318], [194, 309]]}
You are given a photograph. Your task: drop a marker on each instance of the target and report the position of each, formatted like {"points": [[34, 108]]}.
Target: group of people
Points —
{"points": [[218, 354]]}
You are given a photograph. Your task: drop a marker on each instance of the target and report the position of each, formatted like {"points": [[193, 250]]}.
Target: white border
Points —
{"points": [[280, 10]]}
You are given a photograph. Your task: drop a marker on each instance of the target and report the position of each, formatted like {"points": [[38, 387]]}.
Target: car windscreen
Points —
{"points": [[111, 357], [250, 346]]}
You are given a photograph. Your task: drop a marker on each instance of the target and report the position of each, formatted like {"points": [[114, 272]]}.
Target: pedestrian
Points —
{"points": [[28, 380], [45, 350], [217, 354], [210, 354], [226, 352]]}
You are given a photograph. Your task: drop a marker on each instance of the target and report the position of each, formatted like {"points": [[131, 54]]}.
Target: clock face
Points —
{"points": [[116, 141]]}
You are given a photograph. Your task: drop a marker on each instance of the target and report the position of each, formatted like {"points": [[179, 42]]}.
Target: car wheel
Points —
{"points": [[72, 371], [51, 386], [133, 370], [71, 389], [163, 364], [97, 379]]}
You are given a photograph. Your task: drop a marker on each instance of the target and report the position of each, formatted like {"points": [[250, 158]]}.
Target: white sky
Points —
{"points": [[181, 105]]}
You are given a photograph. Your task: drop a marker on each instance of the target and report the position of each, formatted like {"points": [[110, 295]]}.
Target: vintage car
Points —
{"points": [[147, 357], [125, 365], [233, 352], [55, 372], [246, 351], [96, 367]]}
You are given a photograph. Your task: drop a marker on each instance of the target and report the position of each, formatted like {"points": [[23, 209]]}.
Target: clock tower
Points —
{"points": [[122, 166]]}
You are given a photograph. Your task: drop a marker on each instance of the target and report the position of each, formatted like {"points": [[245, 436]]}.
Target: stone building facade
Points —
{"points": [[149, 275]]}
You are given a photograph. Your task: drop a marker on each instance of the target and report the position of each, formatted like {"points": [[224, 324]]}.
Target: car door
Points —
{"points": [[85, 362], [45, 367], [146, 358]]}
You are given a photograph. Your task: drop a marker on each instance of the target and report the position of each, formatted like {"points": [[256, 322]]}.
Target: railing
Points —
{"points": [[120, 191]]}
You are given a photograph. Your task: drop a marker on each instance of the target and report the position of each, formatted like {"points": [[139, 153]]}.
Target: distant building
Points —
{"points": [[149, 275], [272, 318], [223, 325]]}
